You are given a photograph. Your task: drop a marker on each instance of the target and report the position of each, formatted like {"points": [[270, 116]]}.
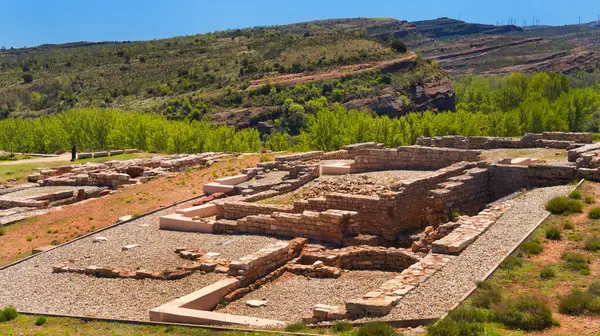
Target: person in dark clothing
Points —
{"points": [[73, 152]]}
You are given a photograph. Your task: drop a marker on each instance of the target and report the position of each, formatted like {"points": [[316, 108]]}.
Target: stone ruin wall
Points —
{"points": [[558, 140], [507, 179], [412, 157], [362, 258]]}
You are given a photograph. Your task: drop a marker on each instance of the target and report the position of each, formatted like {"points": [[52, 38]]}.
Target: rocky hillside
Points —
{"points": [[247, 77]]}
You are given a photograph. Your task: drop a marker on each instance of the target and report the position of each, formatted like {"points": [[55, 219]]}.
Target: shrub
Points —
{"points": [[553, 232], [575, 194], [296, 327], [29, 238], [594, 305], [594, 289], [376, 329], [573, 303], [576, 262], [563, 206], [511, 263], [40, 321], [594, 213], [27, 78], [531, 247], [342, 326], [2, 232], [573, 257], [568, 225], [8, 313], [592, 244], [589, 199], [486, 295], [525, 312], [547, 273], [450, 327]]}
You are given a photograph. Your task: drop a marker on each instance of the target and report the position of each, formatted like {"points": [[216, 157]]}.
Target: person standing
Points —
{"points": [[73, 152]]}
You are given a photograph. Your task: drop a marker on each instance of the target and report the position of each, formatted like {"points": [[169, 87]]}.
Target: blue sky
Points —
{"points": [[34, 22]]}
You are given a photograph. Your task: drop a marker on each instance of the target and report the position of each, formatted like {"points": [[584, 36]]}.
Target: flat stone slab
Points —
{"points": [[99, 240], [129, 247], [256, 303]]}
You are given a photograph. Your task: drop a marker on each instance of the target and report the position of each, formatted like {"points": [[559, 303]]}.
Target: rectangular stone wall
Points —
{"points": [[411, 157], [559, 140], [363, 258], [326, 226], [505, 179], [236, 210]]}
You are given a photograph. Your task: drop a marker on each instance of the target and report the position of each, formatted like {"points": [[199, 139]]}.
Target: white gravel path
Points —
{"points": [[446, 288], [31, 286], [293, 297]]}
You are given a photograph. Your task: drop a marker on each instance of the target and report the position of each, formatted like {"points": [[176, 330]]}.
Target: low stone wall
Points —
{"points": [[559, 140], [576, 153], [326, 226], [236, 209], [412, 157], [361, 258], [507, 179], [315, 155], [258, 264]]}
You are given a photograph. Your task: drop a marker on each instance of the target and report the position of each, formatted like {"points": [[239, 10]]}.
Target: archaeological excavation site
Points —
{"points": [[401, 235]]}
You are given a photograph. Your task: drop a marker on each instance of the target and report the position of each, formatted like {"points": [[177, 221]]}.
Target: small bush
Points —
{"points": [[296, 327], [563, 206], [486, 295], [40, 321], [553, 232], [573, 303], [594, 305], [29, 238], [594, 213], [575, 194], [511, 263], [592, 244], [2, 232], [342, 326], [547, 273], [568, 225], [525, 313], [594, 289], [451, 327], [573, 257], [589, 199], [576, 262], [8, 313], [376, 329], [531, 247]]}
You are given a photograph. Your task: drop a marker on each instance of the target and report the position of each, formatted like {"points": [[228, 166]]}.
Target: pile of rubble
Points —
{"points": [[117, 173]]}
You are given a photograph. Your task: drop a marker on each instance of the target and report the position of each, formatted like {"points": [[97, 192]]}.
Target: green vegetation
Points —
{"points": [[564, 206], [376, 329], [41, 321], [594, 213], [511, 263], [578, 302], [593, 244], [342, 326], [525, 313], [547, 273], [575, 194], [8, 313], [296, 327], [553, 232], [589, 199], [568, 225], [531, 247], [576, 262]]}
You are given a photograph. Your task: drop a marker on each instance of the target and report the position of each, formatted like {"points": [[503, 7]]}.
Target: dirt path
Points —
{"points": [[61, 157], [80, 218]]}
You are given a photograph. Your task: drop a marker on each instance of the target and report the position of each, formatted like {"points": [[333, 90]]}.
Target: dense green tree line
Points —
{"points": [[94, 129]]}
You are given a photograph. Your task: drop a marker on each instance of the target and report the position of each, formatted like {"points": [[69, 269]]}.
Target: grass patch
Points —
{"points": [[296, 327], [564, 206], [589, 199], [8, 313], [511, 263], [525, 313], [575, 194], [594, 213], [376, 329], [568, 225], [547, 273], [531, 248], [2, 232], [342, 326], [553, 232], [592, 244], [578, 302], [40, 321], [576, 262], [486, 295]]}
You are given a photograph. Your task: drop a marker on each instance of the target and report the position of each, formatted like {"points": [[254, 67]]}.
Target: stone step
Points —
{"points": [[233, 180], [215, 187], [204, 210], [336, 169], [179, 222]]}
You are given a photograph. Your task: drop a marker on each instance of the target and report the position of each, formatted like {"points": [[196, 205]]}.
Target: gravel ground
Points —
{"points": [[269, 178], [446, 288], [292, 297], [31, 192], [548, 154], [369, 184], [31, 286]]}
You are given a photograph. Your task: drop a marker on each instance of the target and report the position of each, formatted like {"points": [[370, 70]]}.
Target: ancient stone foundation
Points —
{"points": [[558, 140]]}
